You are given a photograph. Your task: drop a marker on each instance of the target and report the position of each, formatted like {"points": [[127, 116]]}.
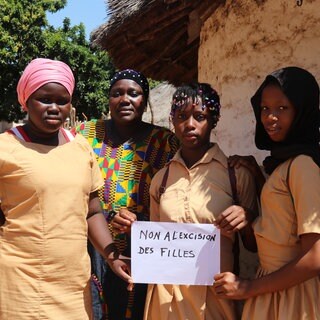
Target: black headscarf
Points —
{"points": [[302, 89]]}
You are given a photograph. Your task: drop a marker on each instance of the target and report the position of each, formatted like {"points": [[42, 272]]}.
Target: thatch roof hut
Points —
{"points": [[158, 37], [231, 44]]}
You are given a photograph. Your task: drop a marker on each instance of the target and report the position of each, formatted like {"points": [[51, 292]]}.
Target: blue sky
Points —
{"points": [[91, 12]]}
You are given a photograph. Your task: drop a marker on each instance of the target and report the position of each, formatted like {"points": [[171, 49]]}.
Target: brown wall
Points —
{"points": [[160, 102], [241, 43]]}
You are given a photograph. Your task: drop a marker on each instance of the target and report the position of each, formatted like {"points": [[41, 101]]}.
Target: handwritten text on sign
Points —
{"points": [[174, 253]]}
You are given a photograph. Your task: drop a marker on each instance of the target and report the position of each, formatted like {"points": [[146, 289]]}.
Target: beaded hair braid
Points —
{"points": [[191, 93]]}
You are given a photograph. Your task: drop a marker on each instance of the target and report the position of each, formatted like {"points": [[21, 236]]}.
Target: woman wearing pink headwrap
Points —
{"points": [[49, 205]]}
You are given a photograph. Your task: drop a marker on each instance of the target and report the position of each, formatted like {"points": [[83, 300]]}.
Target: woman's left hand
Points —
{"points": [[121, 267], [229, 286]]}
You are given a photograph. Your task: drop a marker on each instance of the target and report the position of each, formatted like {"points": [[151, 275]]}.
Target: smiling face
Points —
{"points": [[277, 113], [126, 102], [193, 125], [48, 108]]}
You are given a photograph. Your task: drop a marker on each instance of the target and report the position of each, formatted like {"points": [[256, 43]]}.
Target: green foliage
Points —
{"points": [[25, 35], [92, 68], [153, 83]]}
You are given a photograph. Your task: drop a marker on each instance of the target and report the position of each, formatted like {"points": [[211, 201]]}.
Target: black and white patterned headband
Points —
{"points": [[136, 76]]}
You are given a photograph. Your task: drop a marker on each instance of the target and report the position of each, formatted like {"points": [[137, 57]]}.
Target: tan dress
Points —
{"points": [[277, 233], [44, 265], [196, 195]]}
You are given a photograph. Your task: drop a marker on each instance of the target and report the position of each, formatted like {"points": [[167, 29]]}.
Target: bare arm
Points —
{"points": [[101, 238], [303, 268]]}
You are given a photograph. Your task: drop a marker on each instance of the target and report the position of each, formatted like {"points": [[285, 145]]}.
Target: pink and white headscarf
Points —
{"points": [[41, 71]]}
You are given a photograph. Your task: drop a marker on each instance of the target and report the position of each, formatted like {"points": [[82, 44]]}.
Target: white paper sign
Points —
{"points": [[174, 253]]}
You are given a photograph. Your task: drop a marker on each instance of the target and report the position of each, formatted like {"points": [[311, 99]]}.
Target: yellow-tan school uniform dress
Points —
{"points": [[277, 232], [196, 195], [44, 265]]}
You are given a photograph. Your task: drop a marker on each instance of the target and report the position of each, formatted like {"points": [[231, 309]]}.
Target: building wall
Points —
{"points": [[4, 125], [160, 102], [242, 42]]}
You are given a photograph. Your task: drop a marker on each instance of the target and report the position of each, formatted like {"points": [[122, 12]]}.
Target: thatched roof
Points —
{"points": [[158, 37]]}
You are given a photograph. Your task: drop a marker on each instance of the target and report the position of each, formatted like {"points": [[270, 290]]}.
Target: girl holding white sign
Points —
{"points": [[195, 188]]}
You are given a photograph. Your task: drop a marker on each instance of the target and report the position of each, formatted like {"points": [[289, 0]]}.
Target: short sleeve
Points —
{"points": [[97, 180], [304, 185], [96, 176], [155, 195]]}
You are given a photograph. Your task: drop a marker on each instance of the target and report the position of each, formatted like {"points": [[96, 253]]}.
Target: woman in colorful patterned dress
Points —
{"points": [[287, 112], [49, 205], [129, 153]]}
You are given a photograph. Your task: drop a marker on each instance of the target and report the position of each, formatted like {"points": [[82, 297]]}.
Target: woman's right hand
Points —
{"points": [[122, 221]]}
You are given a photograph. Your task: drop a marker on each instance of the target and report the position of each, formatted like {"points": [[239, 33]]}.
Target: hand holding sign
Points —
{"points": [[122, 221], [174, 253]]}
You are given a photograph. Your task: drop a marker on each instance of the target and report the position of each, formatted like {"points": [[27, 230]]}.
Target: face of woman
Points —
{"points": [[277, 113], [193, 125], [48, 108], [126, 102]]}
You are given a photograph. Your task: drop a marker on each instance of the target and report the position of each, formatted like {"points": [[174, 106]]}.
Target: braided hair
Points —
{"points": [[191, 93]]}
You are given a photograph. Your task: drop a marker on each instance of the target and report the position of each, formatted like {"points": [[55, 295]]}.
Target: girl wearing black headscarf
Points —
{"points": [[286, 107]]}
